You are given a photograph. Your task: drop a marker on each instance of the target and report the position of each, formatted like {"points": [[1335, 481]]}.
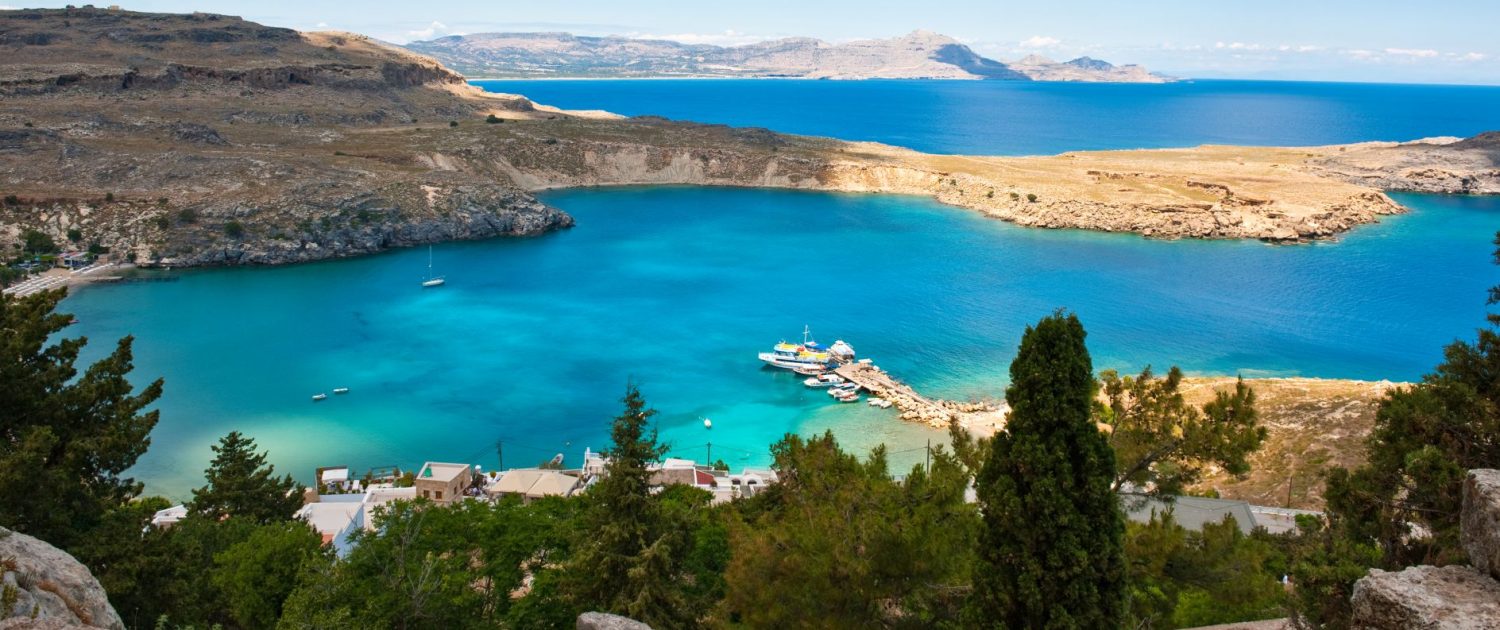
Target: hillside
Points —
{"points": [[918, 55]]}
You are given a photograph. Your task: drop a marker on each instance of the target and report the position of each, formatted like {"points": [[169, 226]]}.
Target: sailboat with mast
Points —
{"points": [[431, 281]]}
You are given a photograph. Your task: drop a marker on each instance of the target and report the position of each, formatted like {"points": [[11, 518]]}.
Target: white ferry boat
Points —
{"points": [[808, 356]]}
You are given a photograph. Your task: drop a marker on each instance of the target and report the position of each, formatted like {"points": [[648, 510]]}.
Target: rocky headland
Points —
{"points": [[201, 139]]}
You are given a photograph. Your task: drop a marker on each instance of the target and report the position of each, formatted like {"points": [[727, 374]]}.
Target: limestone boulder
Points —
{"points": [[1432, 598], [47, 588], [1480, 523], [606, 621]]}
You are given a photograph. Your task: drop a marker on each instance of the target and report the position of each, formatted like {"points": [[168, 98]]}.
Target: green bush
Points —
{"points": [[75, 235], [188, 215], [493, 119], [452, 123], [109, 197], [1031, 197], [234, 229]]}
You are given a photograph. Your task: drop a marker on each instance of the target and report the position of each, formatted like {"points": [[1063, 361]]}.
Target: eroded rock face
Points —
{"points": [[606, 621], [1446, 598], [1480, 524], [51, 588]]}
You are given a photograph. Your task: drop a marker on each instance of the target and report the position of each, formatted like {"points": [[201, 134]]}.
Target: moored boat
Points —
{"points": [[824, 380], [807, 357], [341, 390], [318, 397]]}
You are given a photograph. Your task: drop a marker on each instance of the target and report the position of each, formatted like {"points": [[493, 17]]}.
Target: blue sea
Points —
{"points": [[1020, 118], [532, 341]]}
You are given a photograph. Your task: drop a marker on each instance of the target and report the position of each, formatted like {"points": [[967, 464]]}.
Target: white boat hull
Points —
{"points": [[775, 361]]}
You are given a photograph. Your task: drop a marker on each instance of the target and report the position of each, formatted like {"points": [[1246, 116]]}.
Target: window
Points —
{"points": [[425, 494], [440, 495]]}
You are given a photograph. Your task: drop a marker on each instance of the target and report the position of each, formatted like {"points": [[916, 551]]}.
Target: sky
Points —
{"points": [[1432, 41]]}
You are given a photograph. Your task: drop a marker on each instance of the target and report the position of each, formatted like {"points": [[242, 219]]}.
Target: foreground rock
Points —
{"points": [[1433, 598], [1480, 527], [606, 621], [50, 588], [1448, 598]]}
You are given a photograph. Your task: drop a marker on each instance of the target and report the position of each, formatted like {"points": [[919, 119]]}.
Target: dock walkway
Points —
{"points": [[913, 405]]}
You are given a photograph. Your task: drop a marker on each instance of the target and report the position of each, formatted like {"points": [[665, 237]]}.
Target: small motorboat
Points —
{"points": [[824, 380], [842, 390], [880, 402], [810, 370], [318, 397], [847, 395], [341, 390], [708, 424]]}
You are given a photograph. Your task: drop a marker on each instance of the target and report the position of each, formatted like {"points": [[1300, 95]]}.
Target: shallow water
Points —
{"points": [[676, 289]]}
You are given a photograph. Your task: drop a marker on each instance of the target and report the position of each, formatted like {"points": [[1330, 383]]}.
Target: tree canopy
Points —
{"points": [[840, 543], [1162, 444], [241, 483], [65, 438]]}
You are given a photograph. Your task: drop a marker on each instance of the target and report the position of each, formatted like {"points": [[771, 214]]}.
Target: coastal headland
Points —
{"points": [[190, 140]]}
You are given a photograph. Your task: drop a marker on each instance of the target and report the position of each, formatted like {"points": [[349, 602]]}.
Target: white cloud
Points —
{"points": [[1040, 41], [1411, 52], [1473, 56], [321, 25], [435, 29], [1359, 53]]}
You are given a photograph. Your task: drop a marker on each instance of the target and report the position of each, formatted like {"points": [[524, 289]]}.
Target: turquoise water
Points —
{"points": [[676, 289], [1003, 117]]}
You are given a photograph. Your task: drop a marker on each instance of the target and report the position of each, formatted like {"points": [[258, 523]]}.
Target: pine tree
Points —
{"points": [[242, 484], [1050, 553], [65, 439], [628, 560]]}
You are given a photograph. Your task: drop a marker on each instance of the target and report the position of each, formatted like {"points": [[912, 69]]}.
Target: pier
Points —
{"points": [[914, 406]]}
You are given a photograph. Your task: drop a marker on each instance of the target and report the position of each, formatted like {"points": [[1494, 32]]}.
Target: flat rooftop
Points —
{"points": [[441, 472]]}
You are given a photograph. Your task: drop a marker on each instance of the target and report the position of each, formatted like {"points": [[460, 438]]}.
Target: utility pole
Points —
{"points": [[710, 453], [927, 457], [500, 454]]}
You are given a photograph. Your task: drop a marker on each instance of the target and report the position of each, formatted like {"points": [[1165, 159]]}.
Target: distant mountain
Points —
{"points": [[918, 55], [1040, 68]]}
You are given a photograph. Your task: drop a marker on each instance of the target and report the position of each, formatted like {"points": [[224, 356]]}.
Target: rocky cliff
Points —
{"points": [[43, 586], [917, 55]]}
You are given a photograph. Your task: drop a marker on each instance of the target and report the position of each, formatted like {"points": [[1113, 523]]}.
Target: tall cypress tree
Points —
{"points": [[629, 560], [1050, 553]]}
